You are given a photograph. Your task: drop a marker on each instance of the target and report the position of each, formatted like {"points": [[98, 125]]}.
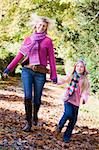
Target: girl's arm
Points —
{"points": [[65, 79], [85, 94]]}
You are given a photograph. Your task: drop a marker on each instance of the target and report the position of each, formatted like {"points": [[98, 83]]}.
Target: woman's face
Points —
{"points": [[80, 68], [41, 27]]}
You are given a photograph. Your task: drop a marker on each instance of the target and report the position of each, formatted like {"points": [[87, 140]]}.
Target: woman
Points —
{"points": [[38, 49]]}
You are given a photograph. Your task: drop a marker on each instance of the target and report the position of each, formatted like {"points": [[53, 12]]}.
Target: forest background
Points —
{"points": [[75, 34]]}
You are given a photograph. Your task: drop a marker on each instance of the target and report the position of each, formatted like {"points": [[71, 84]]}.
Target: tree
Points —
{"points": [[75, 35]]}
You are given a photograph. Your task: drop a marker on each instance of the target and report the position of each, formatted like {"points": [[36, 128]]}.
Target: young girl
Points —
{"points": [[77, 90]]}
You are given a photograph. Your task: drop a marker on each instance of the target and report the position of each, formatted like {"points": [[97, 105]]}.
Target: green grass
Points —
{"points": [[60, 69], [90, 111]]}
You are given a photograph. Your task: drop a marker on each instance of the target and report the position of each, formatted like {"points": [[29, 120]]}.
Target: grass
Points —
{"points": [[90, 111], [60, 69]]}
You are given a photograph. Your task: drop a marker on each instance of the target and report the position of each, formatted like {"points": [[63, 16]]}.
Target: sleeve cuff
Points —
{"points": [[54, 80], [6, 70]]}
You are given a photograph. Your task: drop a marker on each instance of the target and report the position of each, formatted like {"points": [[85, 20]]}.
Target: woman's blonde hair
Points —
{"points": [[35, 19]]}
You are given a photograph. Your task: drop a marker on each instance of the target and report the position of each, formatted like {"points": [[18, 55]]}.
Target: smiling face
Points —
{"points": [[80, 68], [41, 27]]}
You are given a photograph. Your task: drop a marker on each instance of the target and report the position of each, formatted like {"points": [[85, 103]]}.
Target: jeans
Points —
{"points": [[70, 113], [33, 80]]}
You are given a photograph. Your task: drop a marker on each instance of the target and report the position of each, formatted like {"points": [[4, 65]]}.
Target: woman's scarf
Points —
{"points": [[36, 38], [30, 47], [73, 85]]}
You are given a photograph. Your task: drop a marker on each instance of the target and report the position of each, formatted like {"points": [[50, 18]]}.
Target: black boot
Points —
{"points": [[28, 110], [35, 114], [27, 127]]}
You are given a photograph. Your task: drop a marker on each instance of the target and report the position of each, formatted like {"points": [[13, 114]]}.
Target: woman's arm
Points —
{"points": [[14, 63], [24, 50], [53, 73]]}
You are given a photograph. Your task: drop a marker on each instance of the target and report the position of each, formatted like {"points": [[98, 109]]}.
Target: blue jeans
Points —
{"points": [[33, 81], [70, 113]]}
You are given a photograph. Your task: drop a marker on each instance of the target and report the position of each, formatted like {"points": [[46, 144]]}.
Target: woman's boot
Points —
{"points": [[35, 114], [28, 110]]}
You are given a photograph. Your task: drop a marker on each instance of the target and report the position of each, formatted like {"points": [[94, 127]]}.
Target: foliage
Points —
{"points": [[75, 35], [5, 59]]}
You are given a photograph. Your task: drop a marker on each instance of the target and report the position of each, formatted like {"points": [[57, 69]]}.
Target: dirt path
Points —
{"points": [[85, 135]]}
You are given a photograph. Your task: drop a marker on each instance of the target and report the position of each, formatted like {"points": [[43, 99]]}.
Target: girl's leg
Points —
{"points": [[66, 115], [27, 84], [39, 81], [71, 124]]}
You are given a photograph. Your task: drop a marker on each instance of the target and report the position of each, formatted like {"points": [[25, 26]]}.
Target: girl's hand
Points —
{"points": [[60, 83], [61, 80], [64, 79], [83, 102]]}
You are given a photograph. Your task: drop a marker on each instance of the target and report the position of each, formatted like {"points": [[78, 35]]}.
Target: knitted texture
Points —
{"points": [[31, 47], [73, 85]]}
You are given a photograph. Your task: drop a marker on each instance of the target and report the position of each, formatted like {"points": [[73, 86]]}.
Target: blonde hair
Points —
{"points": [[84, 84], [35, 19]]}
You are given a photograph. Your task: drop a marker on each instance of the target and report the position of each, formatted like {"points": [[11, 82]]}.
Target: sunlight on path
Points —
{"points": [[13, 106], [15, 93]]}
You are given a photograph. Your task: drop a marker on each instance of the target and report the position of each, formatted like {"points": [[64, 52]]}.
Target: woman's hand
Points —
{"points": [[5, 76], [54, 80], [5, 73]]}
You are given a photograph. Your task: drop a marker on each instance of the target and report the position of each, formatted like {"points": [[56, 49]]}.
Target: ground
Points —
{"points": [[12, 119]]}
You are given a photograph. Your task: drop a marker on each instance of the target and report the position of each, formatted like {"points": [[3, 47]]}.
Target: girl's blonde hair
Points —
{"points": [[84, 84]]}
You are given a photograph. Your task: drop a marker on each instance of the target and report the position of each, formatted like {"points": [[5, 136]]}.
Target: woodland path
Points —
{"points": [[42, 137]]}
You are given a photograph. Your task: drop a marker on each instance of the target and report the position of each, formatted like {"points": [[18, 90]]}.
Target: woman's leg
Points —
{"points": [[27, 85], [39, 81], [71, 124]]}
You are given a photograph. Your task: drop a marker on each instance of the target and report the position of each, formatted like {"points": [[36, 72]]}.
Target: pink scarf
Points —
{"points": [[31, 46]]}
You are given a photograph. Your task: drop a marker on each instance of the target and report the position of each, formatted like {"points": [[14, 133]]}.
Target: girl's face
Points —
{"points": [[41, 27], [80, 68]]}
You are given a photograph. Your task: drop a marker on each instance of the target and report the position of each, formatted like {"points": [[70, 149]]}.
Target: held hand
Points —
{"points": [[54, 80]]}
